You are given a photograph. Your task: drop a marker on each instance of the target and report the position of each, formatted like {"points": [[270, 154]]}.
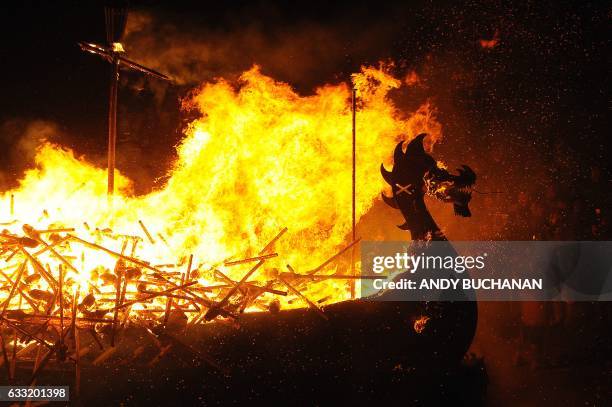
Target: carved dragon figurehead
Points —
{"points": [[416, 173]]}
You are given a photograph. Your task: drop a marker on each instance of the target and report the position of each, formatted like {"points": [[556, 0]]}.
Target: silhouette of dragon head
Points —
{"points": [[416, 173]]}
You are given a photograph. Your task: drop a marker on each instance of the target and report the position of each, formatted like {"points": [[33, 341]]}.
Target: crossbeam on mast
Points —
{"points": [[116, 19]]}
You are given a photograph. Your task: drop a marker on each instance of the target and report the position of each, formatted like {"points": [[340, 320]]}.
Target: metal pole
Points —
{"points": [[112, 125], [354, 192]]}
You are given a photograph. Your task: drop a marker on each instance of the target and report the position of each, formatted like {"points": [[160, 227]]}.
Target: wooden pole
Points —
{"points": [[354, 101], [112, 124], [61, 303]]}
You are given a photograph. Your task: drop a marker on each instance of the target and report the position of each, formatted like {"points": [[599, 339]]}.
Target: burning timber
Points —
{"points": [[171, 315]]}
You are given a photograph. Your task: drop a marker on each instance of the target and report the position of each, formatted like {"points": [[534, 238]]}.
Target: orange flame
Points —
{"points": [[259, 158]]}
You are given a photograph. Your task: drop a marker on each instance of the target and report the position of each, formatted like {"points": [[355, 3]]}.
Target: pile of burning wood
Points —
{"points": [[47, 304]]}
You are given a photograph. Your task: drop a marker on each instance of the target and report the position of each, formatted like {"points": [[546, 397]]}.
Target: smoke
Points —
{"points": [[20, 140], [302, 53]]}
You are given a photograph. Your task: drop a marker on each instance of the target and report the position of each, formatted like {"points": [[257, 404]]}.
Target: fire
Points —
{"points": [[118, 47], [420, 323], [260, 158]]}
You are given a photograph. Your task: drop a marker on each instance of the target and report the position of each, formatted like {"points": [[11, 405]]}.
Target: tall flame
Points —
{"points": [[259, 158]]}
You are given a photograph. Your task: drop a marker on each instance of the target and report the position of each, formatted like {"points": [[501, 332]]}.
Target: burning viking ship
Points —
{"points": [[223, 346], [121, 299]]}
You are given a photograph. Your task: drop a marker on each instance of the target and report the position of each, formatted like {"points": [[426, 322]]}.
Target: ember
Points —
{"points": [[420, 324]]}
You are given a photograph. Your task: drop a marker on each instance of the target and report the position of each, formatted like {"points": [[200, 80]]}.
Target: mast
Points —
{"points": [[112, 125], [116, 19], [354, 109]]}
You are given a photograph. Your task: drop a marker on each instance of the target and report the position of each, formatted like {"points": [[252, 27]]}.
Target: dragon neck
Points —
{"points": [[420, 223]]}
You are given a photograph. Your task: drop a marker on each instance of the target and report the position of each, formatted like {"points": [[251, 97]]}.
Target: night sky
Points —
{"points": [[535, 103]]}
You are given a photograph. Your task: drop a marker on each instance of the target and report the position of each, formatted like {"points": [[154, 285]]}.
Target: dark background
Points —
{"points": [[530, 115]]}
